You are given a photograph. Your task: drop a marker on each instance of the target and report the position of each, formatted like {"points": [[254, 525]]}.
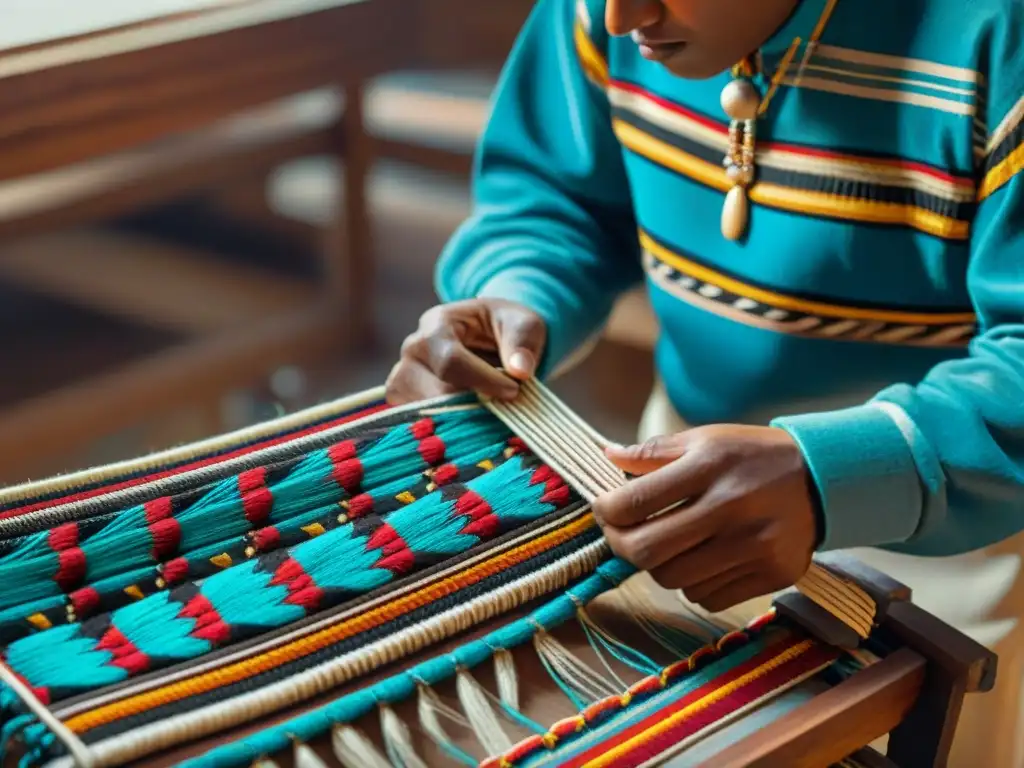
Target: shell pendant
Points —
{"points": [[741, 102], [735, 213]]}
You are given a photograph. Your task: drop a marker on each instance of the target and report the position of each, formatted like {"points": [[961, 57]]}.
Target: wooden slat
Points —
{"points": [[155, 284], [61, 114], [61, 422], [836, 723], [253, 143]]}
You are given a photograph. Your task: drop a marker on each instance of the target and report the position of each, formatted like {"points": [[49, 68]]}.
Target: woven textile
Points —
{"points": [[215, 585]]}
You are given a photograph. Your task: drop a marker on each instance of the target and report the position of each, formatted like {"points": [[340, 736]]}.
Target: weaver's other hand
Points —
{"points": [[441, 357], [747, 526]]}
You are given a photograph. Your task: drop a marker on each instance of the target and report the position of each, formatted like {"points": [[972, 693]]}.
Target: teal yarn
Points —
{"points": [[274, 590], [126, 543], [13, 623], [402, 687]]}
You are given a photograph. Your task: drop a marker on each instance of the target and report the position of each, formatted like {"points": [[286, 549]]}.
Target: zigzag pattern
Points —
{"points": [[280, 587], [164, 528], [108, 595]]}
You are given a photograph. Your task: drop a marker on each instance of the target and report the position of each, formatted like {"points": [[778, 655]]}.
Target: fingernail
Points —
{"points": [[522, 362]]}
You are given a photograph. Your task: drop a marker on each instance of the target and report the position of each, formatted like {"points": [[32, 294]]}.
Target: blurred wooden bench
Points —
{"points": [[114, 120]]}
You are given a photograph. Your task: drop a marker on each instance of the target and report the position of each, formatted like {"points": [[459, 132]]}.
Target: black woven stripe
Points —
{"points": [[800, 295], [844, 188], [345, 646], [180, 483], [1005, 148], [492, 546], [85, 487]]}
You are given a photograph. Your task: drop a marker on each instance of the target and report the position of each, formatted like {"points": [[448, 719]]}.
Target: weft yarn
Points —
{"points": [[283, 586], [60, 561]]}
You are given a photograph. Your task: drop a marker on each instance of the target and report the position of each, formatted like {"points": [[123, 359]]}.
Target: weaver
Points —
{"points": [[284, 572]]}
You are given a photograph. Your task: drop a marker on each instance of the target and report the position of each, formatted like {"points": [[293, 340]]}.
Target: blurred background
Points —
{"points": [[215, 211]]}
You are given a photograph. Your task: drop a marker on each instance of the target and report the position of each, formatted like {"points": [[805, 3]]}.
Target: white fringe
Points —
{"points": [[354, 750], [481, 716], [398, 740]]}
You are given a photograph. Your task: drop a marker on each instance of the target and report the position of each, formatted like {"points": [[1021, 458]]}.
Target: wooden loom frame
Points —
{"points": [[915, 693]]}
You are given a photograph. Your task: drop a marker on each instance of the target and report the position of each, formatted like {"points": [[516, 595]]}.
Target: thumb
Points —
{"points": [[521, 335], [648, 456]]}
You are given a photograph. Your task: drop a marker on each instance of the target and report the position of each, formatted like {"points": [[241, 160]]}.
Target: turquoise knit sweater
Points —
{"points": [[885, 251]]}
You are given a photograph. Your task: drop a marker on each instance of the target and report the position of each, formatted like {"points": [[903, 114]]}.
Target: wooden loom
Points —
{"points": [[842, 661]]}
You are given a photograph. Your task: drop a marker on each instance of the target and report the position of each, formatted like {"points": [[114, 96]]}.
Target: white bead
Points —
{"points": [[740, 100]]}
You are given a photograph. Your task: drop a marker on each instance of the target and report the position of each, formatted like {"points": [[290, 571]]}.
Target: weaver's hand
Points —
{"points": [[441, 357], [748, 526]]}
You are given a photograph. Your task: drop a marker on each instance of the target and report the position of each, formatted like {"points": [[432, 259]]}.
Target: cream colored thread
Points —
{"points": [[398, 740], [354, 750], [223, 715], [305, 757], [190, 451], [587, 620], [128, 496], [428, 707], [507, 678], [571, 670], [563, 451], [486, 726], [80, 753]]}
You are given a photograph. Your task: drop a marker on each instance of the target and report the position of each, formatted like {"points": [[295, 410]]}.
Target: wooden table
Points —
{"points": [[129, 107]]}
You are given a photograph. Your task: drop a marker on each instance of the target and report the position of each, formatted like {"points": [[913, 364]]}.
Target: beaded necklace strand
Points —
{"points": [[743, 104]]}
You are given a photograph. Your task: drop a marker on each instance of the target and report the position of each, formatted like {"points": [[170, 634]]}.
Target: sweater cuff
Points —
{"points": [[863, 467]]}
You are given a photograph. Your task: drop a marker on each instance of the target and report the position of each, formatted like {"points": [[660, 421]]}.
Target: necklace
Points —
{"points": [[743, 104]]}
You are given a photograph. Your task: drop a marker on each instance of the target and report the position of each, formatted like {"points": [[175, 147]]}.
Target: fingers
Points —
{"points": [[704, 567], [648, 456], [642, 497], [410, 381], [442, 353], [657, 541], [521, 336], [722, 597]]}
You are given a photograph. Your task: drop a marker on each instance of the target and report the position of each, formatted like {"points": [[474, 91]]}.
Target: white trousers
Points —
{"points": [[979, 593]]}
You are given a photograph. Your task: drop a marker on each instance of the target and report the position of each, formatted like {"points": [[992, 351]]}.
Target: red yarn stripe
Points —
{"points": [[641, 754], [125, 654], [302, 590], [817, 655], [256, 497], [71, 568], [164, 530], [209, 625], [63, 537], [395, 554], [85, 601]]}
